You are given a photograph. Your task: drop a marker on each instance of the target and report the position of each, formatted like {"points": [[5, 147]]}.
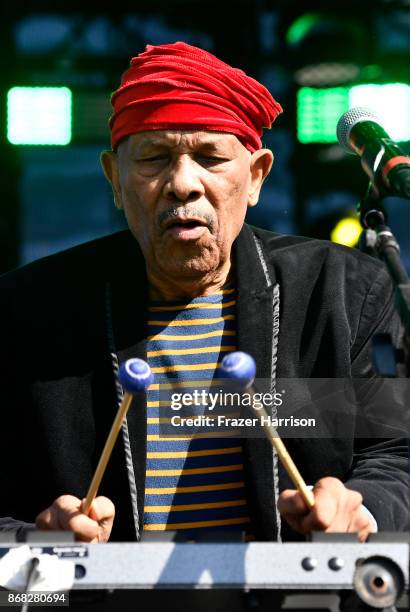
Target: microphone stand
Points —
{"points": [[378, 240]]}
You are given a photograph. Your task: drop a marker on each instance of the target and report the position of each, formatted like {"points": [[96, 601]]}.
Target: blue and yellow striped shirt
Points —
{"points": [[192, 481]]}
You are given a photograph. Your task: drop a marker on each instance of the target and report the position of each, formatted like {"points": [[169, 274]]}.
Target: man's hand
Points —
{"points": [[336, 509], [65, 514]]}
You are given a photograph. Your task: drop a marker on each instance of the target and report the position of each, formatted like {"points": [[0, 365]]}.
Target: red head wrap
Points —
{"points": [[179, 86]]}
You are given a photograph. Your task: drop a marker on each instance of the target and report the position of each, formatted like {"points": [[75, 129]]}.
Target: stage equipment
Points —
{"points": [[39, 115], [388, 167], [376, 572]]}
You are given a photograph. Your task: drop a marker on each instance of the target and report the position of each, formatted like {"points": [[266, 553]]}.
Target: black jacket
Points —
{"points": [[67, 318]]}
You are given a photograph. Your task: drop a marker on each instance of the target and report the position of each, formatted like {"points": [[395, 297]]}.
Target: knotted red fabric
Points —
{"points": [[179, 86]]}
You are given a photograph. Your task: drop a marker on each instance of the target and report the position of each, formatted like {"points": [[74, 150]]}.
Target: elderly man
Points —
{"points": [[188, 283]]}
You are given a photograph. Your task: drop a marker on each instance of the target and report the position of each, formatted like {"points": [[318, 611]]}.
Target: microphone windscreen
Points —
{"points": [[349, 119]]}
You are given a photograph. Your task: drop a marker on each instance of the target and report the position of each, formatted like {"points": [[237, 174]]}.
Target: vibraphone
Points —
{"points": [[377, 571]]}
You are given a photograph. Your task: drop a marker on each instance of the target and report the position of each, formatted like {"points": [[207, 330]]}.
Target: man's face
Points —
{"points": [[185, 195]]}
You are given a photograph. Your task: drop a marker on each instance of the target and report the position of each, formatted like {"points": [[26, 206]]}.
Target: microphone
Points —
{"points": [[359, 131]]}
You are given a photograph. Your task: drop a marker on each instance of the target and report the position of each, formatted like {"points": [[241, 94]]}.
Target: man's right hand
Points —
{"points": [[65, 513]]}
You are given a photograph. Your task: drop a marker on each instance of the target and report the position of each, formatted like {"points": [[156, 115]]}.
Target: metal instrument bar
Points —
{"points": [[256, 565]]}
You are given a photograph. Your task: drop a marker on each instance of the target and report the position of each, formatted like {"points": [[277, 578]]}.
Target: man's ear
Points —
{"points": [[109, 163], [260, 165]]}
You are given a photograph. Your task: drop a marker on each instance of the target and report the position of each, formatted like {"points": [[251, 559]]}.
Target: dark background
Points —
{"points": [[55, 196]]}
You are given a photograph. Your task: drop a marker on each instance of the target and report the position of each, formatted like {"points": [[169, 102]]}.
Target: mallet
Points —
{"points": [[241, 368], [134, 375]]}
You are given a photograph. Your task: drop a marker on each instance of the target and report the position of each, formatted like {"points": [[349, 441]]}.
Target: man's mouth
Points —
{"points": [[186, 229]]}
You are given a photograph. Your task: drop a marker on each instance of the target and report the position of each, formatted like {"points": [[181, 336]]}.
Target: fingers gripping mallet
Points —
{"points": [[240, 367], [134, 375]]}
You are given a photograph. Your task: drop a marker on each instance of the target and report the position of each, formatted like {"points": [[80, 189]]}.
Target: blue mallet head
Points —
{"points": [[135, 375], [238, 366]]}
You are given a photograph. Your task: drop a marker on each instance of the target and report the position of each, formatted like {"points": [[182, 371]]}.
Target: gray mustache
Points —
{"points": [[171, 213]]}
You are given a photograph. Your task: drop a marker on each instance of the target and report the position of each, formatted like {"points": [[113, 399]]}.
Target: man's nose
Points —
{"points": [[183, 182]]}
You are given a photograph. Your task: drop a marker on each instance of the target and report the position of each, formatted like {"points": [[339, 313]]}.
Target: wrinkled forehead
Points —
{"points": [[184, 140]]}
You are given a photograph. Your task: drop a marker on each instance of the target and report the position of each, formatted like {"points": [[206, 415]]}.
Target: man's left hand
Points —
{"points": [[336, 509]]}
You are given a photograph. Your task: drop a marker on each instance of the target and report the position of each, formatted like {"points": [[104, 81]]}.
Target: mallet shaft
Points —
{"points": [[241, 367], [106, 453], [286, 459]]}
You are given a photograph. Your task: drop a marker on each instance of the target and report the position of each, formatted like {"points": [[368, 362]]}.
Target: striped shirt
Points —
{"points": [[192, 482]]}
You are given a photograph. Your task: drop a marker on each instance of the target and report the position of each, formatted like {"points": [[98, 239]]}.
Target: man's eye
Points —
{"points": [[212, 159], [154, 158]]}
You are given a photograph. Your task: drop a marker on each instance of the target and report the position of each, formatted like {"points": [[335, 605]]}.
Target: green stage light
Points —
{"points": [[39, 115], [319, 109], [302, 26]]}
